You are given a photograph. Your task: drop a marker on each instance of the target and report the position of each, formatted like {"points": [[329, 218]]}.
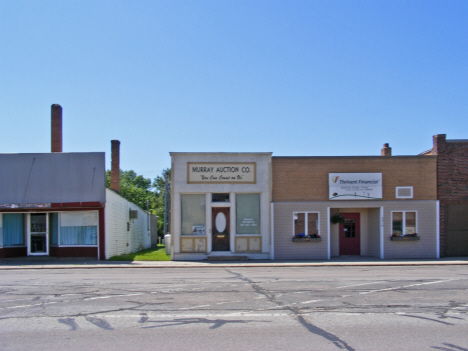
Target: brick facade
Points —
{"points": [[306, 178], [452, 179]]}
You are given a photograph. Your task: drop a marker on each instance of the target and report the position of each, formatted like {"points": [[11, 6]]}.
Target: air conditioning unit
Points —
{"points": [[133, 214]]}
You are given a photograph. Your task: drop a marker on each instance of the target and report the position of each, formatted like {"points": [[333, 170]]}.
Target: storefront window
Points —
{"points": [[403, 223], [193, 214], [305, 224], [13, 229], [78, 228], [248, 213]]}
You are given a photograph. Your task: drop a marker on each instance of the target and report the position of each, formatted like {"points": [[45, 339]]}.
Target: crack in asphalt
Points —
{"points": [[295, 313]]}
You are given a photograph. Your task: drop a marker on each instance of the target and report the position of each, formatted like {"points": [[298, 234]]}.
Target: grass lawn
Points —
{"points": [[154, 254]]}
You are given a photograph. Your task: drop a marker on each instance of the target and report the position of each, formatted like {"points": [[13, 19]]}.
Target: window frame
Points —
{"points": [[25, 230], [259, 213], [205, 210], [306, 222], [404, 212], [59, 228]]}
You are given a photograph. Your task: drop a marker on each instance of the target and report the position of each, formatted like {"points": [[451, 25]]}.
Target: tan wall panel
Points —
{"points": [[306, 178]]}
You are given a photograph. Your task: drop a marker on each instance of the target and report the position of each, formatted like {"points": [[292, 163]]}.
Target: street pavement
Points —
{"points": [[294, 306], [51, 263]]}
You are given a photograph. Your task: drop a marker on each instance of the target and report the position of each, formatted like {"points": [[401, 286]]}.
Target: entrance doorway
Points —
{"points": [[220, 225], [38, 234], [350, 235]]}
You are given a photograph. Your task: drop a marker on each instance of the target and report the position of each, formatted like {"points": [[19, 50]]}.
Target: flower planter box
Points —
{"points": [[404, 238], [306, 239]]}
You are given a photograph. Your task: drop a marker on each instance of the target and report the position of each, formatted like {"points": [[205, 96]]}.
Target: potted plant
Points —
{"points": [[337, 218]]}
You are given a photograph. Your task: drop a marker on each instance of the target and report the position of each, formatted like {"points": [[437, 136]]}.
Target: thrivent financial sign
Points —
{"points": [[355, 186]]}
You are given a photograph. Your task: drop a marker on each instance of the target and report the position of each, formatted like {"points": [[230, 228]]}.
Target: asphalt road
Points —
{"points": [[234, 308]]}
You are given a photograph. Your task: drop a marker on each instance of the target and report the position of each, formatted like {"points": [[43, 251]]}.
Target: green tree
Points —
{"points": [[158, 209], [147, 194]]}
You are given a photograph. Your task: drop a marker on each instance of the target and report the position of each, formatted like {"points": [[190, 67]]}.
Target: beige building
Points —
{"points": [[220, 205], [378, 206], [264, 207]]}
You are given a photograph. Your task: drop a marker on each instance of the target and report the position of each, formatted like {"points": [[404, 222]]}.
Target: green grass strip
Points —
{"points": [[154, 254]]}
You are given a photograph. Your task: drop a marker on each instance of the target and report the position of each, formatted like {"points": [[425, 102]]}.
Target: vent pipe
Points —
{"points": [[56, 128], [115, 165]]}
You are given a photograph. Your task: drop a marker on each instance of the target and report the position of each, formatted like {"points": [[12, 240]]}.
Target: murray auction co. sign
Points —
{"points": [[232, 172], [355, 186]]}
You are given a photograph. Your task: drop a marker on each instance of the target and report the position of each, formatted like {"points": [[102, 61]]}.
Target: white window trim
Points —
{"points": [[404, 197], [307, 222], [404, 221], [59, 226]]}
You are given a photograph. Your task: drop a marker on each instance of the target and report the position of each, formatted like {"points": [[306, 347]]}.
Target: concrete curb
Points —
{"points": [[184, 264]]}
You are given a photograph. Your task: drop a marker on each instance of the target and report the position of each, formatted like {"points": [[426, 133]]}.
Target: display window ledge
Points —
{"points": [[404, 238], [306, 239]]}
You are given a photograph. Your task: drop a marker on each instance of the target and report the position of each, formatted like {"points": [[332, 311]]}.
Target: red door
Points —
{"points": [[220, 228], [350, 236]]}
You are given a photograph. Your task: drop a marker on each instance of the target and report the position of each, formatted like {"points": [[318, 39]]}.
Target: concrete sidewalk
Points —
{"points": [[48, 263]]}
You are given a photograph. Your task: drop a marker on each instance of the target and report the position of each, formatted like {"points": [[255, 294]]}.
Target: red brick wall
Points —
{"points": [[56, 128], [452, 176]]}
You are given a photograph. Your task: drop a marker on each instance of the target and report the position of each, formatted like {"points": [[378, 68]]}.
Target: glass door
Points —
{"points": [[38, 234]]}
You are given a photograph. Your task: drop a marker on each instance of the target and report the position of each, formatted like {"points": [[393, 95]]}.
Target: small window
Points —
{"points": [[306, 224], [404, 223], [404, 192], [220, 197]]}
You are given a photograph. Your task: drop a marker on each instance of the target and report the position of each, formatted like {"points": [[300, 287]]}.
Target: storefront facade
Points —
{"points": [[383, 207], [52, 205], [220, 205]]}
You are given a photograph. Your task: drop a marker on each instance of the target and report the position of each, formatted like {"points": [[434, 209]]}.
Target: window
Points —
{"points": [[13, 229], [248, 213], [220, 197], [306, 224], [193, 214], [404, 223], [78, 228]]}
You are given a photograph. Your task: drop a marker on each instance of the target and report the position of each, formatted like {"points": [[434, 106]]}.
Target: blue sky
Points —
{"points": [[319, 78]]}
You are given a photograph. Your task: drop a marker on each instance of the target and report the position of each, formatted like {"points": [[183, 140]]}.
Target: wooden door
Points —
{"points": [[350, 236], [220, 224]]}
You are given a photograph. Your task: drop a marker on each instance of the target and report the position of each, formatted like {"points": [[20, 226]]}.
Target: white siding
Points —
{"points": [[285, 248], [119, 240], [426, 247], [373, 244]]}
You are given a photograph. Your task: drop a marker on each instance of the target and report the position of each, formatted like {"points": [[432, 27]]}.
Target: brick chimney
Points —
{"points": [[438, 141], [56, 128], [386, 150], [115, 165]]}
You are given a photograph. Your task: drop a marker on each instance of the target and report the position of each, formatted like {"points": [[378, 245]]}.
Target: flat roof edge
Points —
{"points": [[376, 157]]}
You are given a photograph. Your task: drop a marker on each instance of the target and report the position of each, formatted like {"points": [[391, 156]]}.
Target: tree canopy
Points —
{"points": [[147, 194]]}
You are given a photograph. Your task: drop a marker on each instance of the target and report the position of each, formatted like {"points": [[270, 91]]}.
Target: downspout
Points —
{"points": [[328, 234], [382, 255], [438, 229], [272, 216]]}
